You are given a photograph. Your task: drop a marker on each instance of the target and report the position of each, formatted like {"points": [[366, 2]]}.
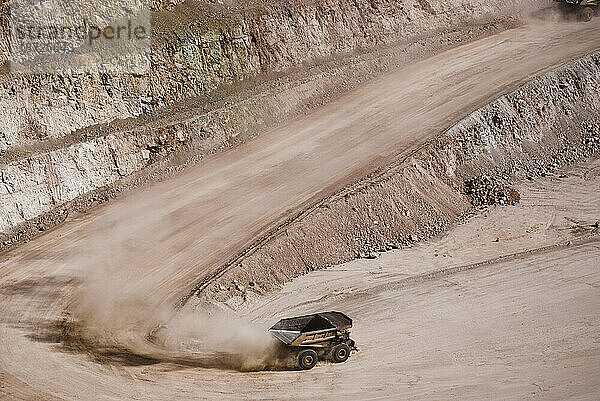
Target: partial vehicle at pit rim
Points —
{"points": [[320, 336], [584, 9]]}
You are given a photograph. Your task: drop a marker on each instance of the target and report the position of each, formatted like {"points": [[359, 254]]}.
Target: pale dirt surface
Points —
{"points": [[464, 316], [524, 328], [151, 248], [478, 327]]}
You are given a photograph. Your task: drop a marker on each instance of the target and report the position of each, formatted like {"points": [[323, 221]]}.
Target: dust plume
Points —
{"points": [[552, 12], [116, 315], [107, 320]]}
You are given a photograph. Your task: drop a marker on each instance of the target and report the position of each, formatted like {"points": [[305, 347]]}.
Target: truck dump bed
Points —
{"points": [[310, 329]]}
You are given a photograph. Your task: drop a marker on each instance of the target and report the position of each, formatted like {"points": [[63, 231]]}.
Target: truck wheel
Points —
{"points": [[340, 353], [585, 14], [307, 359]]}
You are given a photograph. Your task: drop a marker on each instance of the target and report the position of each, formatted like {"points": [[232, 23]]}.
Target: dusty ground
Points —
{"points": [[491, 328], [461, 316], [465, 316]]}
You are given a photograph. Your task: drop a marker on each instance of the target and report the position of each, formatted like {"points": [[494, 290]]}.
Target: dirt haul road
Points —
{"points": [[124, 264], [467, 316]]}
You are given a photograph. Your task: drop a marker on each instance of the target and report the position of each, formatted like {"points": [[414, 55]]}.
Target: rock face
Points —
{"points": [[68, 140], [35, 185], [196, 48], [550, 122]]}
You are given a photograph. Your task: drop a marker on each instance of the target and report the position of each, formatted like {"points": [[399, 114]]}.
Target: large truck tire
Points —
{"points": [[307, 359], [585, 14], [340, 353]]}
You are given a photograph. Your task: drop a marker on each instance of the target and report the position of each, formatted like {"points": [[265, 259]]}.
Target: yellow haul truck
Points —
{"points": [[584, 9], [323, 335]]}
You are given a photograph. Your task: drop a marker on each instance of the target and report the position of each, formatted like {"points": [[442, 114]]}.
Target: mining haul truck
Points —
{"points": [[584, 9], [321, 336]]}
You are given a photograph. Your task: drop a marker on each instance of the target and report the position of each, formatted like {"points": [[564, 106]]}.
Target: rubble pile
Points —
{"points": [[487, 190]]}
